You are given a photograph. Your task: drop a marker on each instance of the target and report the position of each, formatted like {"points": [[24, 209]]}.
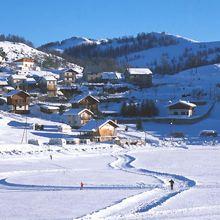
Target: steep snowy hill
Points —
{"points": [[15, 51], [162, 52]]}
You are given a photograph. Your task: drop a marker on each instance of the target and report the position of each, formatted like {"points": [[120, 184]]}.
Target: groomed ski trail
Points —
{"points": [[137, 205]]}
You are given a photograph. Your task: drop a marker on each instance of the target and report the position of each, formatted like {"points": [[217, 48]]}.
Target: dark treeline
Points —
{"points": [[121, 46], [15, 38], [145, 108]]}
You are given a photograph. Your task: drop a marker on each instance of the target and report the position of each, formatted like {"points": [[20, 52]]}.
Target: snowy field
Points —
{"points": [[121, 185], [128, 182]]}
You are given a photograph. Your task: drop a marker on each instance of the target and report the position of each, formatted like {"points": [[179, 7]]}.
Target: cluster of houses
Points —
{"points": [[84, 114]]}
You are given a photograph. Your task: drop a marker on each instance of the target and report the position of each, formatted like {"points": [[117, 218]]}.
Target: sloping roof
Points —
{"points": [[15, 92], [93, 125], [79, 98], [77, 111], [49, 107], [49, 78], [18, 76], [72, 70], [183, 103], [111, 75], [31, 80], [25, 60], [142, 71]]}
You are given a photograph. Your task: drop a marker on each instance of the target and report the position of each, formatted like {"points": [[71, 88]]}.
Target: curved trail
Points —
{"points": [[143, 202]]}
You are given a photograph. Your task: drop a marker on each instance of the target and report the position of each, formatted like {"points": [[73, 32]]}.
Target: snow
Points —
{"points": [[74, 111], [78, 98], [139, 71], [15, 92], [182, 102], [128, 182], [93, 125], [71, 42]]}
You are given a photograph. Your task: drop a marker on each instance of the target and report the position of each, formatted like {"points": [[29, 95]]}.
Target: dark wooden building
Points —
{"points": [[19, 101], [85, 101], [139, 76]]}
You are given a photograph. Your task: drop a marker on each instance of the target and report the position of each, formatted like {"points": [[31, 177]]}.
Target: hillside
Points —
{"points": [[15, 51], [162, 52], [60, 46]]}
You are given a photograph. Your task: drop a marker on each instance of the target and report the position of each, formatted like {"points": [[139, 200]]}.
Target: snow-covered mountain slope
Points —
{"points": [[19, 50], [179, 54], [162, 52], [60, 46]]}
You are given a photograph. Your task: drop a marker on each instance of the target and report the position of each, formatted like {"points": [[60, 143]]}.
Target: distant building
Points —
{"points": [[92, 76], [139, 76], [48, 109], [24, 64], [102, 130], [85, 101], [29, 84], [112, 77], [48, 84], [69, 77], [19, 101], [181, 108], [16, 81], [76, 118]]}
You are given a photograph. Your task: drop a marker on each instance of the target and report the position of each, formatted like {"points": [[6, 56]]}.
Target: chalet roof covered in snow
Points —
{"points": [[77, 111], [49, 78], [49, 107], [15, 92], [14, 76], [30, 80], [79, 98], [111, 75], [93, 125], [181, 105], [3, 83], [139, 71]]}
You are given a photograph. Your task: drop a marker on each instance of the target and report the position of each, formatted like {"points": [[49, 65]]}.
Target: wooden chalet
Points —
{"points": [[99, 130], [139, 76], [76, 118], [85, 101], [19, 101], [181, 108]]}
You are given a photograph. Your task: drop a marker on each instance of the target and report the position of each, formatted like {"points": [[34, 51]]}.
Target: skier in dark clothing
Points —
{"points": [[171, 184], [51, 158], [81, 185]]}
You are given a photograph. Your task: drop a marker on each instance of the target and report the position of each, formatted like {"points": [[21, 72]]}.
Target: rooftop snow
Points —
{"points": [[77, 111], [14, 92], [78, 98], [93, 125], [182, 102], [18, 76], [111, 75], [139, 71]]}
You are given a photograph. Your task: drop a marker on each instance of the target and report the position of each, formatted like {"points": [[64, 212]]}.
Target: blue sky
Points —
{"points": [[43, 21]]}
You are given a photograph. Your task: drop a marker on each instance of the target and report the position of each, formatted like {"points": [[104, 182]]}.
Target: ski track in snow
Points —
{"points": [[133, 206], [143, 202]]}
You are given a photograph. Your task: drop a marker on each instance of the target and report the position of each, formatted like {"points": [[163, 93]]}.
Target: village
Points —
{"points": [[92, 106]]}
